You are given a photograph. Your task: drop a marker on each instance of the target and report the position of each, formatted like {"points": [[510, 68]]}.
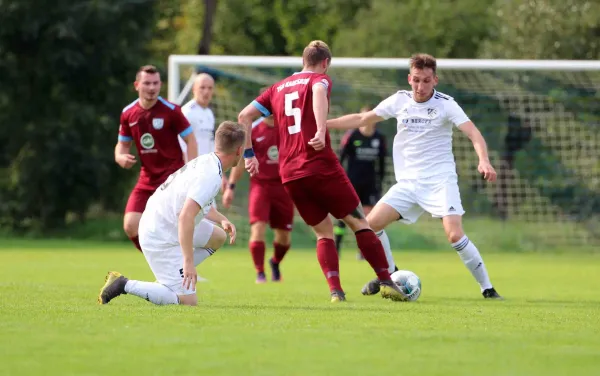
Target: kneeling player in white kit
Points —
{"points": [[424, 165], [176, 232]]}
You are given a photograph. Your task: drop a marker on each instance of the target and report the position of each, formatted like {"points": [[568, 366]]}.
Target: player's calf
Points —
{"points": [[368, 244], [281, 245], [469, 254], [131, 223]]}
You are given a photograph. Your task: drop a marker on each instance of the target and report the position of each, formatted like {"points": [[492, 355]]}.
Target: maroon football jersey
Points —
{"points": [[291, 103], [264, 143], [154, 132]]}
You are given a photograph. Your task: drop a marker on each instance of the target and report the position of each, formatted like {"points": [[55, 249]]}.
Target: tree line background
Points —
{"points": [[67, 68]]}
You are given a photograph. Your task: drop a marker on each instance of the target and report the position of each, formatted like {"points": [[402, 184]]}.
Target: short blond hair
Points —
{"points": [[315, 53], [229, 137], [422, 61]]}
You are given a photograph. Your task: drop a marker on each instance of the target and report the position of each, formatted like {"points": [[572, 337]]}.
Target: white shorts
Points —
{"points": [[436, 195], [166, 260]]}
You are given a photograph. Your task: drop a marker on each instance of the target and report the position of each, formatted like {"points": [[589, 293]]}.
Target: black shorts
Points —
{"points": [[367, 192]]}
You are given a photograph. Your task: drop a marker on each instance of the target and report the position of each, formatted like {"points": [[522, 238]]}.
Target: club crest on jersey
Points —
{"points": [[158, 123], [147, 141], [432, 112], [273, 153], [375, 143]]}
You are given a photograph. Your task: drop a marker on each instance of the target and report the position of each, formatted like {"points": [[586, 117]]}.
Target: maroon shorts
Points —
{"points": [[269, 202], [138, 198], [317, 196]]}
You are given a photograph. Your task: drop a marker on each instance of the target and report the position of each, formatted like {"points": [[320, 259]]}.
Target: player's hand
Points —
{"points": [[227, 198], [230, 229], [318, 142], [126, 160], [190, 276], [251, 165], [486, 169]]}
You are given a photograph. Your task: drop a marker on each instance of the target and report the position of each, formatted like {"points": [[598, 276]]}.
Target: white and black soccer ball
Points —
{"points": [[409, 282]]}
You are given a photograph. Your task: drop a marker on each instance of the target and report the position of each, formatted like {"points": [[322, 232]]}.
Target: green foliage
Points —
{"points": [[444, 28], [544, 29], [247, 27], [66, 69], [302, 21]]}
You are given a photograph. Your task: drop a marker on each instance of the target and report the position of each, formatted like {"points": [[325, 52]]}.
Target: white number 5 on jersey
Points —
{"points": [[293, 111]]}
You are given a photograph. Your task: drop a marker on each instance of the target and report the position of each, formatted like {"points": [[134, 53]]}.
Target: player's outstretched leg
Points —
{"points": [[373, 252], [338, 231], [469, 254], [281, 246], [116, 285]]}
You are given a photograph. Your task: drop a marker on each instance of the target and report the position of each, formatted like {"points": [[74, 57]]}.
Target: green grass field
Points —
{"points": [[50, 322]]}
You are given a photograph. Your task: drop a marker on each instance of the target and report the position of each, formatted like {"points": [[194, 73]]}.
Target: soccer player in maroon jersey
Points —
{"points": [[268, 200], [310, 170], [153, 124]]}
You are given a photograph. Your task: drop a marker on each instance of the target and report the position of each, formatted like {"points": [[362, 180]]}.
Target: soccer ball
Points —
{"points": [[409, 282]]}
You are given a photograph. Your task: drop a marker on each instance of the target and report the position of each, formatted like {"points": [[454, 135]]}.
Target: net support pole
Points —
{"points": [[173, 76]]}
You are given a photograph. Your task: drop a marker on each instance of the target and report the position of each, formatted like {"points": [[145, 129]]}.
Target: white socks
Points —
{"points": [[151, 291], [385, 242], [469, 254], [201, 254]]}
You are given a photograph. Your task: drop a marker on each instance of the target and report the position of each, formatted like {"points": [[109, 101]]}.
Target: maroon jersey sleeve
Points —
{"points": [[263, 102], [323, 80], [124, 131], [180, 122]]}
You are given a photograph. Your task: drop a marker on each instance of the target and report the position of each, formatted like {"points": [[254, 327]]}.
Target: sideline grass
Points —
{"points": [[50, 323]]}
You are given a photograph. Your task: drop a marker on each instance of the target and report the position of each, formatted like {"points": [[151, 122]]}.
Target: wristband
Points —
{"points": [[249, 153], [232, 186]]}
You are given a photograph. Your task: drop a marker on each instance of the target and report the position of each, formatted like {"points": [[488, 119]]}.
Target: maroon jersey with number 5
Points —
{"points": [[291, 103]]}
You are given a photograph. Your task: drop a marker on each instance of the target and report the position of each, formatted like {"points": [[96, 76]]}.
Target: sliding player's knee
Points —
{"points": [[257, 231], [188, 300], [217, 239], [131, 223], [282, 237]]}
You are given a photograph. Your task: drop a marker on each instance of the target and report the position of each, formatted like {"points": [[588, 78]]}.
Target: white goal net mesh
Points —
{"points": [[542, 129]]}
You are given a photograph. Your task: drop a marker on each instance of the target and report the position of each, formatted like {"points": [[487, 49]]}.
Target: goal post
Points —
{"points": [[541, 119]]}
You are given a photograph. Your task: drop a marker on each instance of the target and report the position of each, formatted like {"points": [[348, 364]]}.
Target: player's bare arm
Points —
{"points": [[185, 230], [484, 167], [354, 121], [234, 176], [246, 117], [215, 216], [320, 109], [123, 156], [192, 146]]}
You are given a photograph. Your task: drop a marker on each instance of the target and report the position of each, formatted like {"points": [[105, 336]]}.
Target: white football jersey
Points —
{"points": [[423, 144], [202, 121], [199, 179]]}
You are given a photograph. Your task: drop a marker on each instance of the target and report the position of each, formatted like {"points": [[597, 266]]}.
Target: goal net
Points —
{"points": [[541, 120]]}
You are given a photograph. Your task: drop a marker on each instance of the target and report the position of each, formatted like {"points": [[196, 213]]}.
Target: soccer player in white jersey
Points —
{"points": [[201, 117], [177, 231], [424, 165]]}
